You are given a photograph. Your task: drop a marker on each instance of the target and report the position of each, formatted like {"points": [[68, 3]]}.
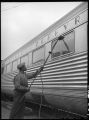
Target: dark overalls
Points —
{"points": [[21, 85]]}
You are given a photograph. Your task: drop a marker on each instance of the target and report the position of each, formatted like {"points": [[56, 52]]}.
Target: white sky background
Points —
{"points": [[24, 22]]}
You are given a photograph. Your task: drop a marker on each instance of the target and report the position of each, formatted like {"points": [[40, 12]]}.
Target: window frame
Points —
{"points": [[5, 69], [12, 64], [27, 54], [29, 59], [39, 61], [87, 37], [10, 68]]}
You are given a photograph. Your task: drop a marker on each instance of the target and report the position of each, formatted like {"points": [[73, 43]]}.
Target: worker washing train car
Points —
{"points": [[21, 88]]}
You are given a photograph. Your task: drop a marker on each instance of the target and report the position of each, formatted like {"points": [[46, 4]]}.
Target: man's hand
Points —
{"points": [[40, 69], [28, 89]]}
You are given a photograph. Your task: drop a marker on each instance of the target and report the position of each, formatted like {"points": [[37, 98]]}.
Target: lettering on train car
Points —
{"points": [[65, 26], [77, 20]]}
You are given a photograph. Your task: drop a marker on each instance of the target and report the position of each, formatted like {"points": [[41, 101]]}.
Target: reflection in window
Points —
{"points": [[38, 55], [64, 46]]}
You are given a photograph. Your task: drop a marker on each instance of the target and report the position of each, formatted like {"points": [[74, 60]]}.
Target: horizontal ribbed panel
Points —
{"points": [[67, 73]]}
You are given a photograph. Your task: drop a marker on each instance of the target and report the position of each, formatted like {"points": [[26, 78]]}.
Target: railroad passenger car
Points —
{"points": [[63, 82]]}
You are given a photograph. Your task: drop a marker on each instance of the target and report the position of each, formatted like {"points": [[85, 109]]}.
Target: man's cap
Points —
{"points": [[21, 65]]}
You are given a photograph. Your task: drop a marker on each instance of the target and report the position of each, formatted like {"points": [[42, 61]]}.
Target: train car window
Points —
{"points": [[81, 38], [2, 70], [8, 68], [25, 59], [18, 61], [30, 58], [38, 55], [47, 49], [64, 46], [14, 65]]}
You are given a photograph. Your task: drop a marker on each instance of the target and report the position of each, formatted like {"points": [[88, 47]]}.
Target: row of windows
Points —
{"points": [[36, 56], [67, 45]]}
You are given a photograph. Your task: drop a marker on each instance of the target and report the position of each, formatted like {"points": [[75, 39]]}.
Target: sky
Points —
{"points": [[22, 21]]}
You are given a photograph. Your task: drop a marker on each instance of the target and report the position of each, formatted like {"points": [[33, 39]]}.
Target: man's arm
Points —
{"points": [[33, 75], [18, 86]]}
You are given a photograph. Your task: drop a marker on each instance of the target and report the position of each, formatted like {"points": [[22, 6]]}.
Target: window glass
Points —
{"points": [[30, 58], [47, 50], [9, 68], [18, 61], [14, 65], [38, 55], [25, 59], [4, 69], [64, 46], [81, 38]]}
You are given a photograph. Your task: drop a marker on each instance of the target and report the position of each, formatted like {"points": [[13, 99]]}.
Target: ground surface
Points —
{"points": [[5, 112], [34, 114]]}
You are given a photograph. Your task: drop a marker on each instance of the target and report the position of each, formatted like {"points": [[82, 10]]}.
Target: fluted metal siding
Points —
{"points": [[70, 71], [64, 81]]}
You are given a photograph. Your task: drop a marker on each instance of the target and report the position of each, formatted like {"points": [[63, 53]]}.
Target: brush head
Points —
{"points": [[50, 52], [61, 37]]}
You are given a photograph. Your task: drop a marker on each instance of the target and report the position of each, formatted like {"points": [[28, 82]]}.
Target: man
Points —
{"points": [[21, 88]]}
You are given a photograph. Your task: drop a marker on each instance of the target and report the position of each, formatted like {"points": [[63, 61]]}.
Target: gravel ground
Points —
{"points": [[5, 112], [33, 113]]}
